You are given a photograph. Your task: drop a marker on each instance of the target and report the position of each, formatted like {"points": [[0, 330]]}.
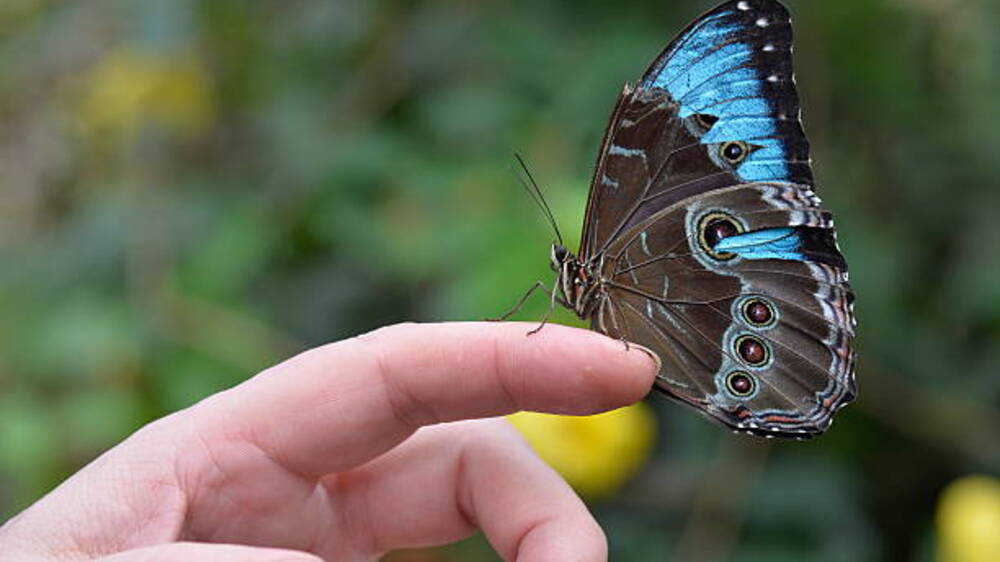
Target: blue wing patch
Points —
{"points": [[772, 243], [734, 63]]}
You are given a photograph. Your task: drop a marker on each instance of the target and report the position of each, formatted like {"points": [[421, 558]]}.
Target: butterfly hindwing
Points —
{"points": [[782, 323]]}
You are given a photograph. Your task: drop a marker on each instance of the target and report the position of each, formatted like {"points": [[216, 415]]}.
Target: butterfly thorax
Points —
{"points": [[577, 285]]}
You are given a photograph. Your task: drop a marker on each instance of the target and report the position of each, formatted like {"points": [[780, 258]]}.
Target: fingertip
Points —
{"points": [[635, 359], [583, 541], [629, 369], [648, 368], [588, 372]]}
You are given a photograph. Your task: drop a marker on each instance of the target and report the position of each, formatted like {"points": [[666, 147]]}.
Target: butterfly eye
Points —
{"points": [[752, 351], [713, 228], [559, 254], [758, 313], [734, 151], [740, 384]]}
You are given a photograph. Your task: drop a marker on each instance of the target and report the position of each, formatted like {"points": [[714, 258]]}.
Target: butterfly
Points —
{"points": [[704, 240]]}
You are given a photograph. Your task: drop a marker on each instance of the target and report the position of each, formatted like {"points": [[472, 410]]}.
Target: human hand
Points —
{"points": [[348, 451]]}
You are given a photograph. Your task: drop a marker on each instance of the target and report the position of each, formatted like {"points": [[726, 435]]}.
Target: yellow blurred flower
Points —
{"points": [[130, 88], [968, 520], [595, 454]]}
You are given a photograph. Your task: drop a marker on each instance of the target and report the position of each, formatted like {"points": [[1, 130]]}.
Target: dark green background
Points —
{"points": [[357, 171]]}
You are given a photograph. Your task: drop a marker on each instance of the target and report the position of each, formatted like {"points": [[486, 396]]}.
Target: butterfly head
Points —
{"points": [[559, 256]]}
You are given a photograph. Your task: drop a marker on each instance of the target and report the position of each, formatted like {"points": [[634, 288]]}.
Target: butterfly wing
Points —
{"points": [[713, 250], [770, 306], [727, 77]]}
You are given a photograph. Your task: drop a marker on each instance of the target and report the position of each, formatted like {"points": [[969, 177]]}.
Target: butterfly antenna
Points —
{"points": [[536, 194], [531, 194], [541, 205]]}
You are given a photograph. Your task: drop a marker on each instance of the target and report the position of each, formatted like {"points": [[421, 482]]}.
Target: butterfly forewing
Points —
{"points": [[726, 78]]}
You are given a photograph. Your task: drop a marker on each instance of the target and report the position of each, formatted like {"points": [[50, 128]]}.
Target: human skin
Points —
{"points": [[347, 451]]}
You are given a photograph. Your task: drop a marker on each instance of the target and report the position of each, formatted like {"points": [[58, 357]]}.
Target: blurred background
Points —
{"points": [[193, 190]]}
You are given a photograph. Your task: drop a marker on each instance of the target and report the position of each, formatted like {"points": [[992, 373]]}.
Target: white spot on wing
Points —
{"points": [[627, 152], [743, 6], [642, 239], [762, 22]]}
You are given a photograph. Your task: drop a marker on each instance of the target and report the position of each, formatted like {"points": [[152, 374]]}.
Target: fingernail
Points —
{"points": [[652, 358]]}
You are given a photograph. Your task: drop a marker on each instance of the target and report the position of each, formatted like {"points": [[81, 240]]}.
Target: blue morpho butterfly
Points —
{"points": [[704, 240]]}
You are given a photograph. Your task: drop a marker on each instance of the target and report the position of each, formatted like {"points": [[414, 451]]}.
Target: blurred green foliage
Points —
{"points": [[193, 190]]}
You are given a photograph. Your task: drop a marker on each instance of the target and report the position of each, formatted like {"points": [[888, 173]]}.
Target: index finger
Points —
{"points": [[339, 405]]}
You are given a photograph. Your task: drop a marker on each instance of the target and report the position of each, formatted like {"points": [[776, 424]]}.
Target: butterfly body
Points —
{"points": [[704, 240]]}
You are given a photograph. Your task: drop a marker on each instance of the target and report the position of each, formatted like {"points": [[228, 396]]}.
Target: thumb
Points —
{"points": [[207, 552]]}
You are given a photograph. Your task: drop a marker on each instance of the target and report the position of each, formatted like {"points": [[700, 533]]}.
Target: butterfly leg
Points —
{"points": [[520, 303], [555, 298], [618, 329], [623, 331]]}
